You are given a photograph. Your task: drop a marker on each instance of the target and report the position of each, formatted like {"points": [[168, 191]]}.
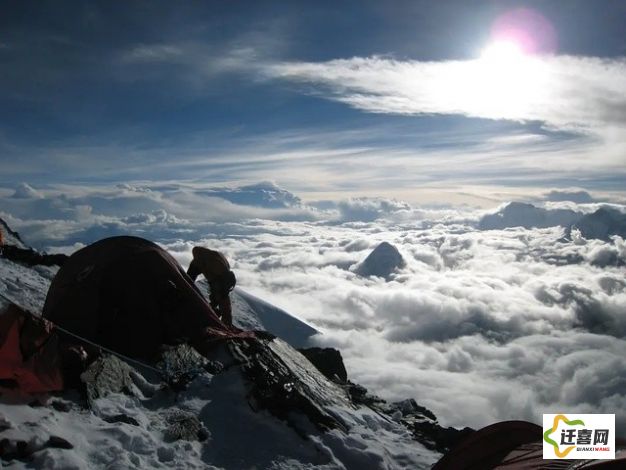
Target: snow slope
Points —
{"points": [[244, 425], [252, 313]]}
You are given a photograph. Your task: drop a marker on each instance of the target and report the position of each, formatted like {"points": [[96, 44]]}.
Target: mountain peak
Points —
{"points": [[381, 262]]}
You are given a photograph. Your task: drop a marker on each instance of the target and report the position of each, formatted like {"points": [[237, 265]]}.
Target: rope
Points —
{"points": [[159, 371]]}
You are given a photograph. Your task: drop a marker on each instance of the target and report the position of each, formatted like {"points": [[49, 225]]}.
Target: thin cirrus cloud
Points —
{"points": [[565, 92]]}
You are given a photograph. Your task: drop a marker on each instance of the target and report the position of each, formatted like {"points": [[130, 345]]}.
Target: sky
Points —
{"points": [[297, 136], [406, 99]]}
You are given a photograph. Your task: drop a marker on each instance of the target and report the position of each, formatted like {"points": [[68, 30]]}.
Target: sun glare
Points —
{"points": [[502, 52], [505, 80]]}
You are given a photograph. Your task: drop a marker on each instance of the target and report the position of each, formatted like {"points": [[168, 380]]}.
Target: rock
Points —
{"points": [[57, 442], [184, 426], [30, 257], [17, 449], [5, 424], [328, 361], [107, 375], [286, 385], [181, 364], [424, 426], [382, 262], [61, 406], [121, 418], [410, 407], [360, 396]]}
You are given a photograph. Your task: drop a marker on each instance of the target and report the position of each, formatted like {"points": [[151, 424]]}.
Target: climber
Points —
{"points": [[215, 268]]}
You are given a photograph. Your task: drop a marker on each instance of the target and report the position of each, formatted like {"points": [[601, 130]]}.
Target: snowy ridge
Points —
{"points": [[10, 237], [252, 313]]}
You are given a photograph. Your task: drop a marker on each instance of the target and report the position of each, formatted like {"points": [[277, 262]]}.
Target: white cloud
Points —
{"points": [[562, 91], [478, 326]]}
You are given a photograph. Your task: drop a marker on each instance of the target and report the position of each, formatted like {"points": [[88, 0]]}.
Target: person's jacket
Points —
{"points": [[210, 263], [214, 266]]}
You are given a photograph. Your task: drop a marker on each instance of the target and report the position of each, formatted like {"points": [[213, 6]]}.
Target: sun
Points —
{"points": [[502, 52], [505, 80]]}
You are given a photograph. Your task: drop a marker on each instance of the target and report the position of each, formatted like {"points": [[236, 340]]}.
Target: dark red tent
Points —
{"points": [[515, 445], [129, 295]]}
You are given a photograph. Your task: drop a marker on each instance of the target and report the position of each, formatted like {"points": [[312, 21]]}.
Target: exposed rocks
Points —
{"points": [[286, 385], [17, 449], [184, 426], [419, 420], [328, 361], [121, 418], [181, 364], [57, 442], [107, 375], [424, 426], [30, 257]]}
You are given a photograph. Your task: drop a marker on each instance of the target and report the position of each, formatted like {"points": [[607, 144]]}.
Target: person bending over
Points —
{"points": [[214, 266]]}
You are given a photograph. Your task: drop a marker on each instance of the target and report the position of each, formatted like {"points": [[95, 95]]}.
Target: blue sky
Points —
{"points": [[324, 98]]}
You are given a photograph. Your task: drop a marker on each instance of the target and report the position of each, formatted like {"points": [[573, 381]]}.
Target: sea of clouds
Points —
{"points": [[479, 325]]}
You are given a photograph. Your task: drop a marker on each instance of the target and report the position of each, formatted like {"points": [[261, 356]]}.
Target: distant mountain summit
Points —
{"points": [[265, 194], [602, 224], [519, 214], [381, 262]]}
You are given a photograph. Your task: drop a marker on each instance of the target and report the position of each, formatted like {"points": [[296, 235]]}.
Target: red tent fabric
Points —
{"points": [[29, 352], [129, 295], [515, 445]]}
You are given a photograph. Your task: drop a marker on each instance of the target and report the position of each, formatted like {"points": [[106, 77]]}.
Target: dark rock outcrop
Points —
{"points": [[419, 420], [328, 361], [14, 249], [285, 383], [107, 375], [30, 257], [184, 426], [424, 426], [382, 262]]}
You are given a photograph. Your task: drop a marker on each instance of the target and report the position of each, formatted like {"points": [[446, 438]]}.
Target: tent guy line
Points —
{"points": [[159, 371]]}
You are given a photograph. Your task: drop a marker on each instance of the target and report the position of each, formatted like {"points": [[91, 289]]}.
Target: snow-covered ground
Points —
{"points": [[238, 434]]}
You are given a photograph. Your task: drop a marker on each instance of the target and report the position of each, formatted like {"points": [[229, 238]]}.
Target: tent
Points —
{"points": [[30, 358], [515, 445], [129, 295]]}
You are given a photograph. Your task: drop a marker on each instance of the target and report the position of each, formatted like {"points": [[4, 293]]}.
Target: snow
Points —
{"points": [[240, 435], [252, 313], [27, 287], [10, 237]]}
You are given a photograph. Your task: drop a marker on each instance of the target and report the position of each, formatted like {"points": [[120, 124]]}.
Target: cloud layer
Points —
{"points": [[479, 326]]}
